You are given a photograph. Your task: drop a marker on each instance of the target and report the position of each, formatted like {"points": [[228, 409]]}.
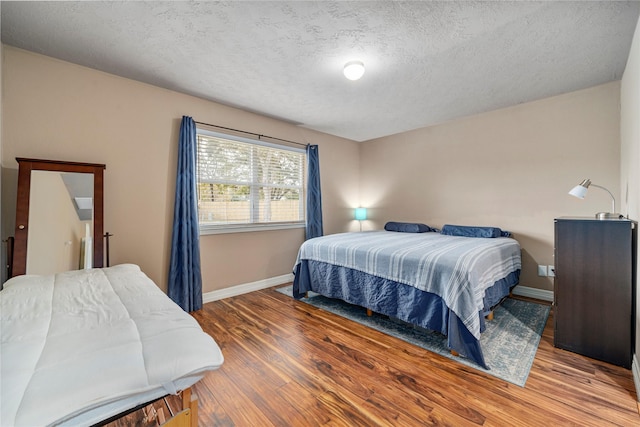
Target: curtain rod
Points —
{"points": [[251, 133]]}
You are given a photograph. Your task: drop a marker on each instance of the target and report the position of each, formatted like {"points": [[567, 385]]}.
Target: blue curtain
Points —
{"points": [[185, 278], [314, 198]]}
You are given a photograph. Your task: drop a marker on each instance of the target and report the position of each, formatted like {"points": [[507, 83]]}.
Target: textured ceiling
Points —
{"points": [[426, 62]]}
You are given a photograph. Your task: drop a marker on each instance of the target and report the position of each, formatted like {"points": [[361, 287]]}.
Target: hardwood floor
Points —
{"points": [[290, 364]]}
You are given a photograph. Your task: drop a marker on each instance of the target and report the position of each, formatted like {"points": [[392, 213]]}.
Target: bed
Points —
{"points": [[81, 347], [444, 283]]}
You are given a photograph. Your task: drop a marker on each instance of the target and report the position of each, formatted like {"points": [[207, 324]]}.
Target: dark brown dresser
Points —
{"points": [[594, 288]]}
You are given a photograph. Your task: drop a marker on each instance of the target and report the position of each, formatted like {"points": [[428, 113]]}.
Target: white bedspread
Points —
{"points": [[76, 342]]}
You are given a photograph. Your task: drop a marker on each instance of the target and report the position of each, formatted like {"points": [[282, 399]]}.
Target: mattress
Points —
{"points": [[443, 283], [81, 346], [457, 269]]}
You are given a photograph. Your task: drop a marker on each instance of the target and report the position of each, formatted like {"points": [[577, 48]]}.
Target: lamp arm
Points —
{"points": [[613, 199]]}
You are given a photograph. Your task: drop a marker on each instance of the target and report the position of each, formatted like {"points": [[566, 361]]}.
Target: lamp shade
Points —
{"points": [[578, 191], [361, 214]]}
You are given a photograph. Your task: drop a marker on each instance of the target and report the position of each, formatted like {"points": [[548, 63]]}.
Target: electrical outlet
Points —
{"points": [[551, 271], [542, 270]]}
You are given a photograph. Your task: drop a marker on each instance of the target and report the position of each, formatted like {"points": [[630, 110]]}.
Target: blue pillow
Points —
{"points": [[472, 231], [406, 227]]}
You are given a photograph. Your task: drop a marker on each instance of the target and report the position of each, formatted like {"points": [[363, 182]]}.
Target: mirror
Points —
{"points": [[59, 217]]}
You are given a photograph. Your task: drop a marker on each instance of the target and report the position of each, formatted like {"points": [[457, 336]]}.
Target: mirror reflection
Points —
{"points": [[60, 221]]}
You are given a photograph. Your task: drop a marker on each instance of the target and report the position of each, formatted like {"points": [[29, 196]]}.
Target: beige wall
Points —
{"points": [[3, 251], [510, 168], [57, 110], [630, 142]]}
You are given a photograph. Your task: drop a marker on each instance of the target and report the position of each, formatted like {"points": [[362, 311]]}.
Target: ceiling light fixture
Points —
{"points": [[84, 202], [353, 70]]}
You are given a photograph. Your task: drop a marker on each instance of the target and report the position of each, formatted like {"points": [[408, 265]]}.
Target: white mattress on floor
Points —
{"points": [[81, 346]]}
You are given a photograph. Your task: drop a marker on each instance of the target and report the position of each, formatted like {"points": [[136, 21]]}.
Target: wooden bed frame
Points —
{"points": [[187, 416]]}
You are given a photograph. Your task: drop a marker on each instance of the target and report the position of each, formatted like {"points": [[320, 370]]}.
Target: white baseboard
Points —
{"points": [[635, 369], [233, 291], [536, 293], [246, 288]]}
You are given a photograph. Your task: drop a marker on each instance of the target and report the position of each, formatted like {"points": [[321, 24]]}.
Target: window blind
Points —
{"points": [[248, 183]]}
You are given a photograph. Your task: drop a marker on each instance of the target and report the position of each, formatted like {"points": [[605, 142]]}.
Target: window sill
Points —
{"points": [[241, 228]]}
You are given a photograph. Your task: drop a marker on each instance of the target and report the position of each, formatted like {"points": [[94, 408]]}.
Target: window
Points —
{"points": [[247, 185]]}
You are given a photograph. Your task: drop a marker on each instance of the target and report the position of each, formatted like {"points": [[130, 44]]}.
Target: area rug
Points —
{"points": [[509, 342]]}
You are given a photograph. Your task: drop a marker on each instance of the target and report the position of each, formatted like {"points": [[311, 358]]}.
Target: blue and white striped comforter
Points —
{"points": [[457, 269]]}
